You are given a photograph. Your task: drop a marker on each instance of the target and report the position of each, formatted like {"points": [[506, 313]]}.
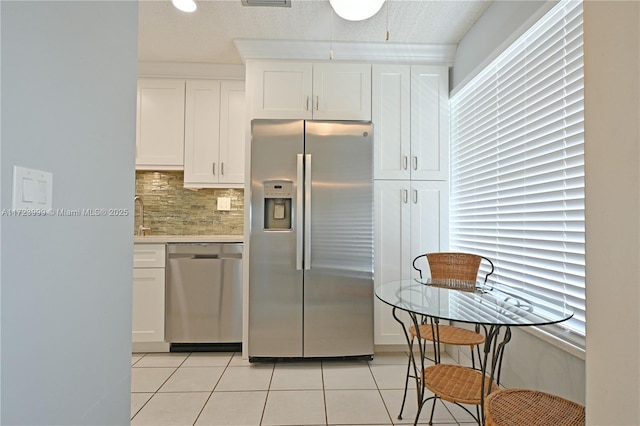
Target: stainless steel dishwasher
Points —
{"points": [[204, 293]]}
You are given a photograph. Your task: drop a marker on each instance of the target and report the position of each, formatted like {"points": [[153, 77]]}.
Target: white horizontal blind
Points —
{"points": [[517, 171]]}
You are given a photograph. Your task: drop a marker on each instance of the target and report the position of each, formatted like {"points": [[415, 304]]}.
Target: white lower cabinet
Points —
{"points": [[411, 218], [148, 293]]}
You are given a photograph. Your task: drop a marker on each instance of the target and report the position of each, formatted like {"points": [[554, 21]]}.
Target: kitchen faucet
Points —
{"points": [[141, 227]]}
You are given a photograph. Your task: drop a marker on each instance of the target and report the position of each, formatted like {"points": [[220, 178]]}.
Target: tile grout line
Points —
{"points": [[324, 394], [266, 399], [214, 386], [159, 387], [380, 393]]}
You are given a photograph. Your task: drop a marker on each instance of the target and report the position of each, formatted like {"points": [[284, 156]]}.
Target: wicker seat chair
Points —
{"points": [[456, 266], [523, 407]]}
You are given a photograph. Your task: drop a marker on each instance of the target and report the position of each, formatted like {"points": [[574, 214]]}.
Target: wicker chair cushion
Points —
{"points": [[515, 407], [455, 383], [449, 335]]}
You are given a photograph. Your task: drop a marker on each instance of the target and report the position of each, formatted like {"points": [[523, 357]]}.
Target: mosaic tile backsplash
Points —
{"points": [[170, 209]]}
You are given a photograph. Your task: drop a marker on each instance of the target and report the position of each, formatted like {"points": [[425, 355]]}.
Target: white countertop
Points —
{"points": [[161, 239]]}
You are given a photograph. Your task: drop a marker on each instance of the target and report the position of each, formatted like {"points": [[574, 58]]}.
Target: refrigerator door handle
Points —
{"points": [[299, 210], [307, 212]]}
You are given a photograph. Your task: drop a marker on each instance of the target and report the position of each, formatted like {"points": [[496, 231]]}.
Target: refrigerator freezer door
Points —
{"points": [[275, 284], [338, 295]]}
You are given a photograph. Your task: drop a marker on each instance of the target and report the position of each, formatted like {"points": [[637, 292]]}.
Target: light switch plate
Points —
{"points": [[224, 203], [32, 189]]}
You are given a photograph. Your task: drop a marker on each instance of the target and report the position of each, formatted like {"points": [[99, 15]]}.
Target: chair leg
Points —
{"points": [[473, 358], [406, 380], [433, 409], [479, 356]]}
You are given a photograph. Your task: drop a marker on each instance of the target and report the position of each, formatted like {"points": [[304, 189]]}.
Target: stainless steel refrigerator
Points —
{"points": [[311, 239]]}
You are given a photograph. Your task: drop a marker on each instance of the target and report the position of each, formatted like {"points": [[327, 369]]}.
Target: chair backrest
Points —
{"points": [[457, 266]]}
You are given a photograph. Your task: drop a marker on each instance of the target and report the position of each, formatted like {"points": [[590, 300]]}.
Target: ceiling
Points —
{"points": [[207, 35]]}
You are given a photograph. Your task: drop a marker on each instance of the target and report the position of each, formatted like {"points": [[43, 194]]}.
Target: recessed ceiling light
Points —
{"points": [[185, 5]]}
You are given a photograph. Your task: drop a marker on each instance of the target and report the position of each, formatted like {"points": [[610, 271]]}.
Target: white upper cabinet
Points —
{"points": [[160, 124], [391, 106], [429, 123], [202, 132], [341, 91], [232, 131], [410, 116], [281, 89], [195, 125], [300, 90]]}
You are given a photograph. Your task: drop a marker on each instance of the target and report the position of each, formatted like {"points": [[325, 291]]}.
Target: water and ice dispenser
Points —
{"points": [[277, 205]]}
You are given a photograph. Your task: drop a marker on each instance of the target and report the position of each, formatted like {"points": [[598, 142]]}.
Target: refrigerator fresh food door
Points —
{"points": [[338, 292], [275, 279]]}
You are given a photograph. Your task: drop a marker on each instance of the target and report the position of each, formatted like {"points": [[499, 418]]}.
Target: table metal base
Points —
{"points": [[439, 380]]}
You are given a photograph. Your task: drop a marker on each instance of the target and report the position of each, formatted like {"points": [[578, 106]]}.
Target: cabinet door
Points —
{"points": [[391, 106], [281, 89], [429, 123], [148, 305], [160, 124], [202, 132], [392, 252], [341, 91], [232, 131], [429, 218]]}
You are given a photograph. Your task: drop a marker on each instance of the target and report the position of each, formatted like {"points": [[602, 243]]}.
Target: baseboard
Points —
{"points": [[137, 347]]}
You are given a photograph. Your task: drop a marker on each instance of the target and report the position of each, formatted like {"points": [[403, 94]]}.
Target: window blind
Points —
{"points": [[517, 174]]}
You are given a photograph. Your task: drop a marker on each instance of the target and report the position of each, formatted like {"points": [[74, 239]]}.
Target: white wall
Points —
{"points": [[501, 24], [68, 89], [612, 139]]}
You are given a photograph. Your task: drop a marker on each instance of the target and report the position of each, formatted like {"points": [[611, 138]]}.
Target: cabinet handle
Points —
{"points": [[213, 169], [415, 196], [405, 162], [415, 162], [405, 196], [222, 168], [317, 103], [307, 103]]}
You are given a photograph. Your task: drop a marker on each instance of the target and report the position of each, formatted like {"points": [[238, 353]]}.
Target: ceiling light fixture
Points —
{"points": [[356, 10], [185, 5]]}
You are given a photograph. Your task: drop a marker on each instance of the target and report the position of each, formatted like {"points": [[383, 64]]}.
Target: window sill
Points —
{"points": [[548, 337]]}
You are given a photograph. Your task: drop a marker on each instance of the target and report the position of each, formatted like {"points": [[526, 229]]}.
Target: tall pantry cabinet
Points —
{"points": [[411, 172]]}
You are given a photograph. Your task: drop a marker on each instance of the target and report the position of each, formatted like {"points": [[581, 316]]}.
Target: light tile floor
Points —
{"points": [[223, 389]]}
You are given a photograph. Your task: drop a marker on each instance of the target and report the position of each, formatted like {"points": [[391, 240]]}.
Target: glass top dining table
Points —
{"points": [[472, 302], [492, 307]]}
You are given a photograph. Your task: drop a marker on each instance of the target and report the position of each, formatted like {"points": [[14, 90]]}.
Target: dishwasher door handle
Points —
{"points": [[205, 256]]}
